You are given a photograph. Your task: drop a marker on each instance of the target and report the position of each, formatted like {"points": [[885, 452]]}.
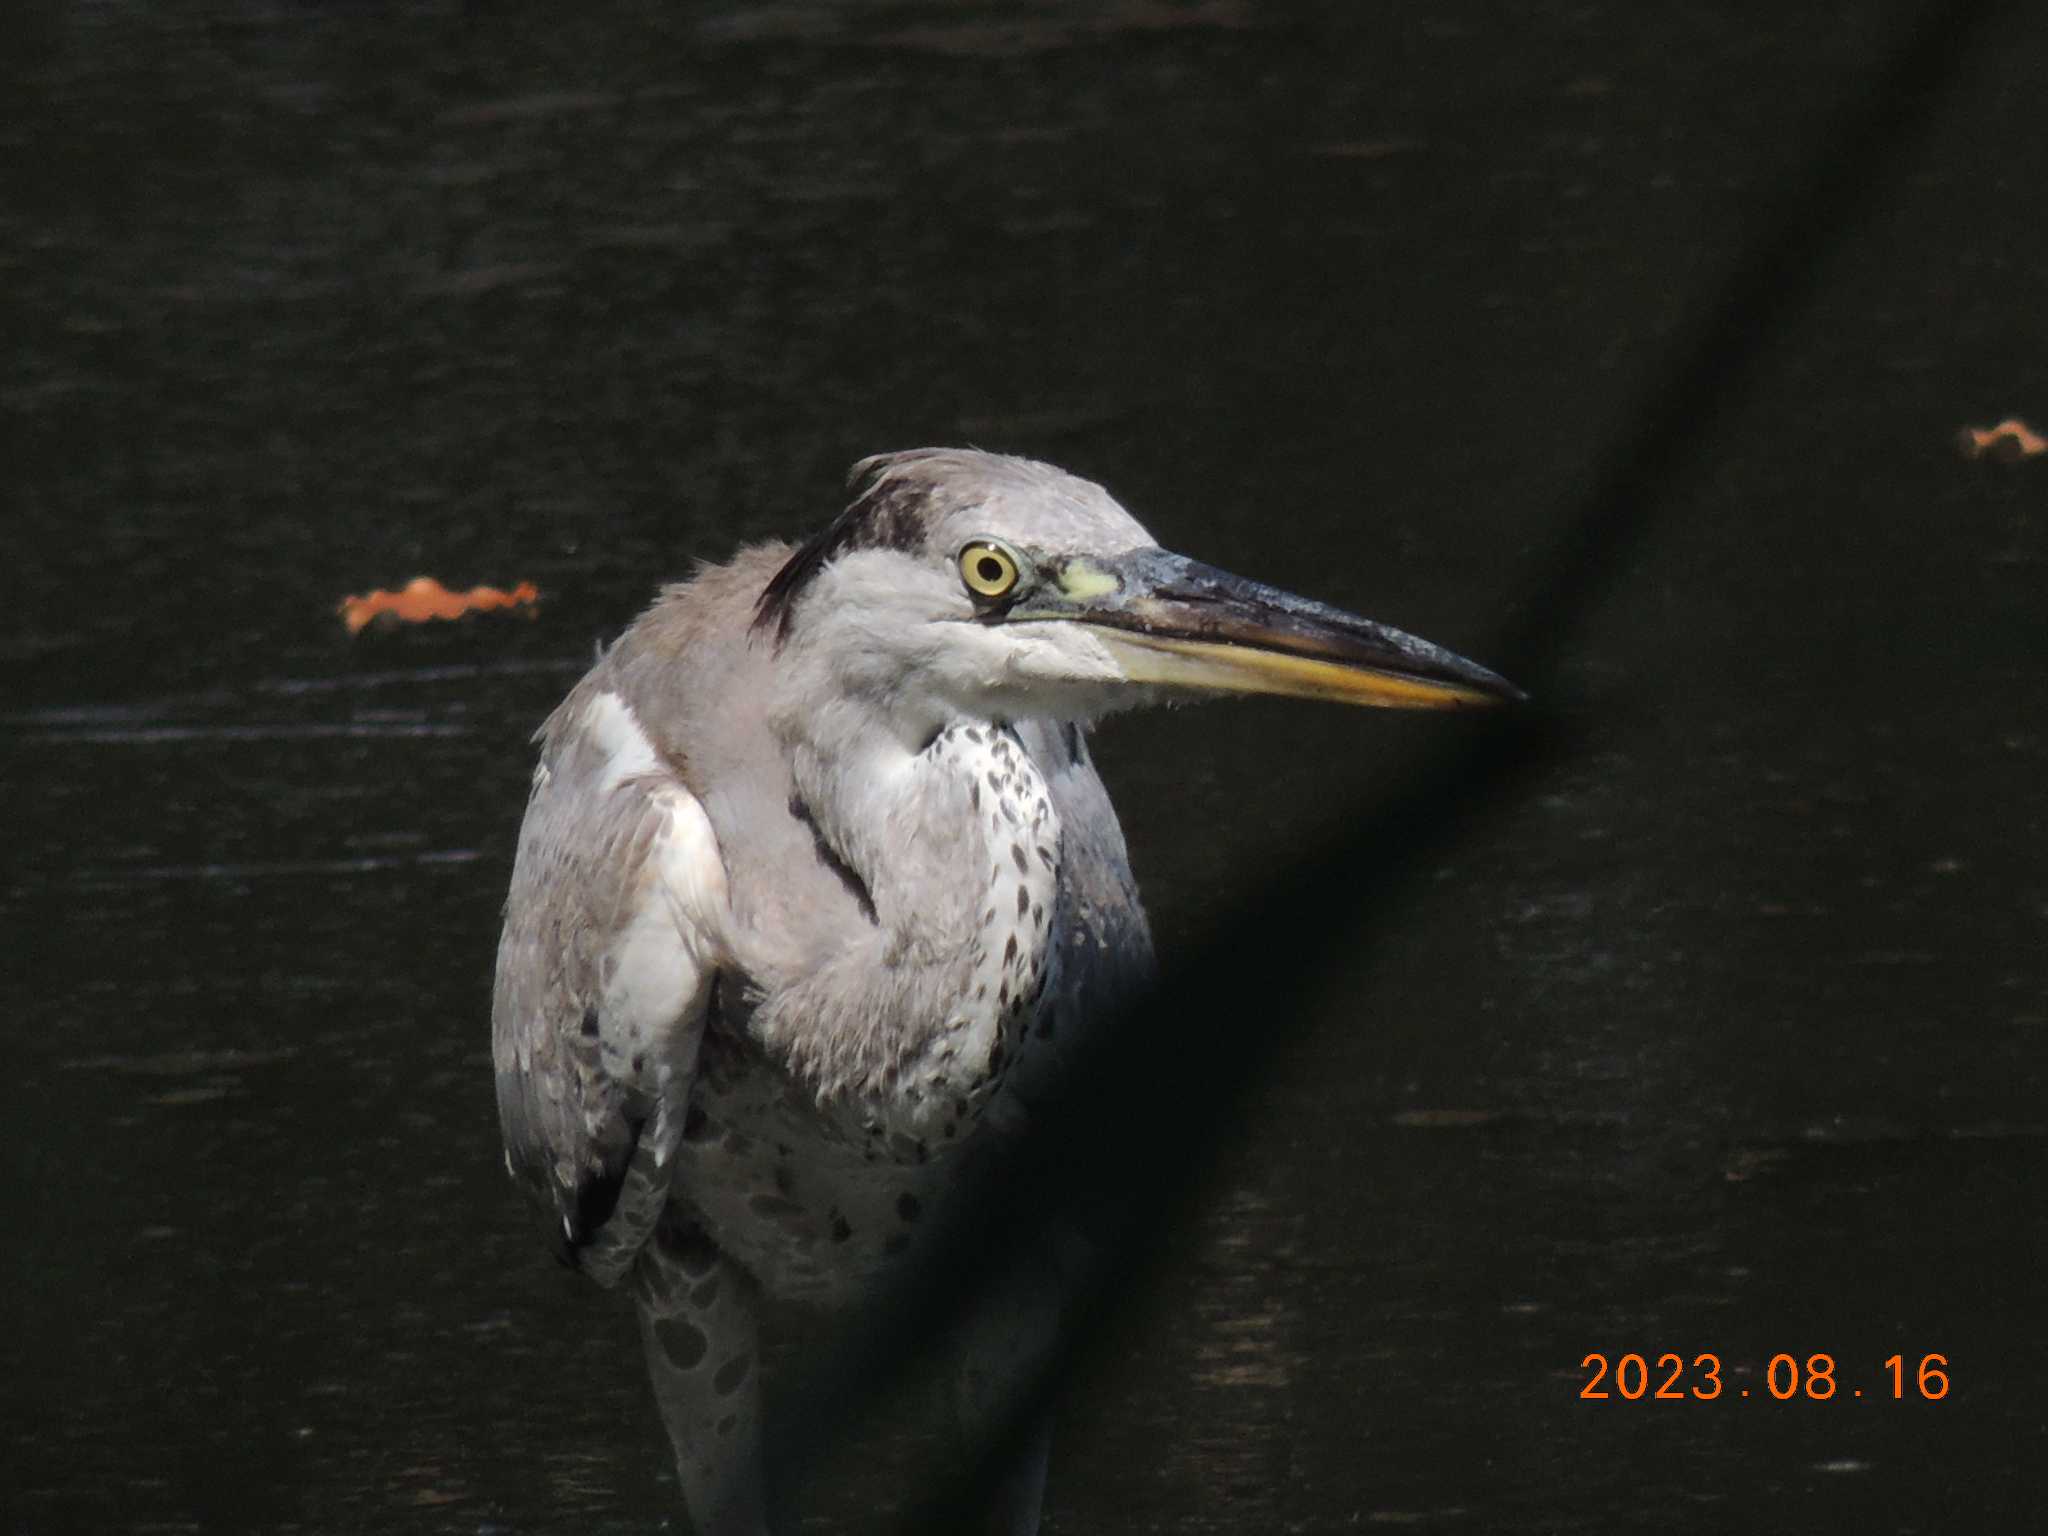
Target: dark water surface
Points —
{"points": [[1720, 1030]]}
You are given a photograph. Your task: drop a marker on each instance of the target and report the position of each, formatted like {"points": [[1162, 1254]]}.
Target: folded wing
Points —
{"points": [[606, 971]]}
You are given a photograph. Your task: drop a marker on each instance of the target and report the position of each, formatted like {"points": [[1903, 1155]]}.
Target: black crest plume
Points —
{"points": [[886, 513]]}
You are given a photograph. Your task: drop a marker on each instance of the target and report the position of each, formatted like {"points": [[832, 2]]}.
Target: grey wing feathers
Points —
{"points": [[605, 970], [1108, 924]]}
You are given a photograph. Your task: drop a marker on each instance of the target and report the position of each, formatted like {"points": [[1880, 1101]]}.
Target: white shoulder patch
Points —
{"points": [[656, 976], [691, 873], [616, 733]]}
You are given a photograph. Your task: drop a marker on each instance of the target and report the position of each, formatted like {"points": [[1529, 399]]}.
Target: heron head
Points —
{"points": [[968, 583]]}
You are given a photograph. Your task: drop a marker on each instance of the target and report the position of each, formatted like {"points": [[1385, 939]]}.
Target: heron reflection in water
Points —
{"points": [[816, 887]]}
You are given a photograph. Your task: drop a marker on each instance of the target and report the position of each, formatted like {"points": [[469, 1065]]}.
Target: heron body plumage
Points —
{"points": [[817, 889], [946, 907]]}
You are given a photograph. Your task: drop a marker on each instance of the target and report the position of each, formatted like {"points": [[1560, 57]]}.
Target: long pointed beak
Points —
{"points": [[1175, 623]]}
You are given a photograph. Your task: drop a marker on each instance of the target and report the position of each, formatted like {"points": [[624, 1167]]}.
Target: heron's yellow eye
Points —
{"points": [[989, 570]]}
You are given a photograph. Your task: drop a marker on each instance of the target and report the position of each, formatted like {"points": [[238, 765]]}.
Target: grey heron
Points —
{"points": [[817, 883]]}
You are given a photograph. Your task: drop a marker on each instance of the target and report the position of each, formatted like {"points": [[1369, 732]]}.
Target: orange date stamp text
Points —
{"points": [[1672, 1378]]}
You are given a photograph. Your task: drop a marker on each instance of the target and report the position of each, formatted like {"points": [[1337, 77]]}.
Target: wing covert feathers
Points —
{"points": [[605, 966]]}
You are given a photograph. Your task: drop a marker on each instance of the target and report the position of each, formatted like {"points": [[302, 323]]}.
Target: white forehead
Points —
{"points": [[968, 494]]}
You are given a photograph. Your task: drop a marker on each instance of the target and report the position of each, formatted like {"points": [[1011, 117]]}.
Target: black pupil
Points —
{"points": [[989, 569]]}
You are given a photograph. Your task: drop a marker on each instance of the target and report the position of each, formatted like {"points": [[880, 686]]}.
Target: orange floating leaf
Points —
{"points": [[2010, 440], [424, 598]]}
